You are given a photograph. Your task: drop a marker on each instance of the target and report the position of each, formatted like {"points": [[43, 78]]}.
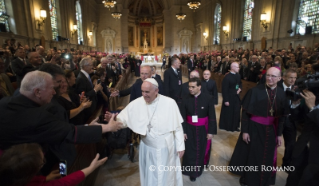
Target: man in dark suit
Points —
{"points": [[173, 80], [157, 77], [210, 86], [222, 67], [18, 63], [290, 129], [254, 69], [218, 64], [190, 64], [84, 84], [164, 63], [136, 91]]}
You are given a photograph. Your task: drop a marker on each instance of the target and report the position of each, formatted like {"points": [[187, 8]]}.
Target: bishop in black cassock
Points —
{"points": [[264, 108], [197, 144], [231, 87]]}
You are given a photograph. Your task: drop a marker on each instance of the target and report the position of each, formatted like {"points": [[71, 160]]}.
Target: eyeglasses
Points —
{"points": [[271, 76]]}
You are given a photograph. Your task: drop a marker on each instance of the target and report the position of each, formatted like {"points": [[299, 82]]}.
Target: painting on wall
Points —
{"points": [[130, 36], [159, 36], [145, 33]]}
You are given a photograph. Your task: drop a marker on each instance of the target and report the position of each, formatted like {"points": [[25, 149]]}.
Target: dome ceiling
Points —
{"points": [[145, 7]]}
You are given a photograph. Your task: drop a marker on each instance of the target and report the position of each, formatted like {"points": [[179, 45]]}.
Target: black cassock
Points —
{"points": [[138, 67], [230, 115], [197, 147], [261, 150]]}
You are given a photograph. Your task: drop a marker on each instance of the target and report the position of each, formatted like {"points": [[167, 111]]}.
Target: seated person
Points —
{"points": [[21, 163]]}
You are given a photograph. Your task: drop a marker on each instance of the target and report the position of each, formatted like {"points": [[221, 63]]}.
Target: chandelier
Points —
{"points": [[116, 14], [180, 16], [109, 4], [193, 4]]}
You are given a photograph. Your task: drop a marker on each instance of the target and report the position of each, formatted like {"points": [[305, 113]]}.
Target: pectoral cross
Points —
{"points": [[149, 126], [271, 112]]}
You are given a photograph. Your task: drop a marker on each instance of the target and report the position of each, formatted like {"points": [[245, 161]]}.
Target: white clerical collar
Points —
{"points": [[85, 73], [232, 72], [285, 87], [154, 101], [197, 94], [206, 80]]}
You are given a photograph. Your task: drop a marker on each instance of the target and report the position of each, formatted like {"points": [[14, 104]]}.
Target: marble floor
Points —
{"points": [[120, 171]]}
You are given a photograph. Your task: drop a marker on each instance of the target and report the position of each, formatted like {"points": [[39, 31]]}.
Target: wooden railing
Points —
{"points": [[115, 101], [246, 85]]}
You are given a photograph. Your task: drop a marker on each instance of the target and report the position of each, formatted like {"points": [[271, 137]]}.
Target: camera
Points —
{"points": [[63, 167], [310, 82], [66, 56], [98, 81]]}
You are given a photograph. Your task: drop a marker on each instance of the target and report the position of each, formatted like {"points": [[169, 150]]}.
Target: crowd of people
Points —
{"points": [[47, 97]]}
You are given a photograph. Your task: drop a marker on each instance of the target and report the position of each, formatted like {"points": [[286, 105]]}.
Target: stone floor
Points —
{"points": [[119, 171]]}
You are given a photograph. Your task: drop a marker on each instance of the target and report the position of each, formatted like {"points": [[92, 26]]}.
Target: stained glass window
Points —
{"points": [[53, 16], [248, 15], [217, 22], [3, 15], [78, 16], [308, 16]]}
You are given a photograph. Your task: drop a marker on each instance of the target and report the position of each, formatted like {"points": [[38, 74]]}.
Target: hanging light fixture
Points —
{"points": [[116, 14], [180, 16], [109, 4], [193, 5]]}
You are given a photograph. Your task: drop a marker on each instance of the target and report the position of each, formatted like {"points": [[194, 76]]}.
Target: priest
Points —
{"points": [[231, 87], [199, 126], [157, 119], [264, 109]]}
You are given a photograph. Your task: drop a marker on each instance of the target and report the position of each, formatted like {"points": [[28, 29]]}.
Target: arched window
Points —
{"points": [[248, 15], [217, 23], [53, 16], [3, 17], [78, 16], [308, 16]]}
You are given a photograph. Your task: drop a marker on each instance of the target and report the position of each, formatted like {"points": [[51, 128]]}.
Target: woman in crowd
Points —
{"points": [[74, 107], [21, 163]]}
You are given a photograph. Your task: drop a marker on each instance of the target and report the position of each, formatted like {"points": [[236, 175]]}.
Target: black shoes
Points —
{"points": [[192, 179]]}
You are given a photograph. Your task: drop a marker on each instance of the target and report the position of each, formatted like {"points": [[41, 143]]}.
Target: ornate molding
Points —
{"points": [[185, 32], [108, 33]]}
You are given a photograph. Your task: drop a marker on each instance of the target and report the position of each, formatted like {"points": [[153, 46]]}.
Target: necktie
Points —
{"points": [[90, 81], [288, 89]]}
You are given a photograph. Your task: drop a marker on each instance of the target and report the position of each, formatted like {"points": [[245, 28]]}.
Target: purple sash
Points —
{"points": [[268, 121], [201, 122]]}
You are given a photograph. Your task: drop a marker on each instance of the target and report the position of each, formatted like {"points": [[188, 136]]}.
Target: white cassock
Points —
{"points": [[159, 145]]}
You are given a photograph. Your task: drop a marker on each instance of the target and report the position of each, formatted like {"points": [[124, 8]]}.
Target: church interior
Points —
{"points": [[151, 32]]}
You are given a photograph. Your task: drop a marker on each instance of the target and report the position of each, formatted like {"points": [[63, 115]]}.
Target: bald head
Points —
{"points": [[274, 70], [194, 74], [234, 67], [206, 74], [145, 72]]}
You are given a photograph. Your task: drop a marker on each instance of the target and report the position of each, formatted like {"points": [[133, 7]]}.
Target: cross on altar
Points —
{"points": [[149, 126]]}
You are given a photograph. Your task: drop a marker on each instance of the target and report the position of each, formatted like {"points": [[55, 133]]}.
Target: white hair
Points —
{"points": [[33, 80], [85, 61]]}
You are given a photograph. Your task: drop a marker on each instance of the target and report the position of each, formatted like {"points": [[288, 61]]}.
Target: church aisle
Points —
{"points": [[119, 171]]}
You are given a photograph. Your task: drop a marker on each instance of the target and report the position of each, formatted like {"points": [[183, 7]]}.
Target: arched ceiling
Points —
{"points": [[145, 7]]}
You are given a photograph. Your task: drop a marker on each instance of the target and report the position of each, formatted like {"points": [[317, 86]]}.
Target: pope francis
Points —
{"points": [[158, 120]]}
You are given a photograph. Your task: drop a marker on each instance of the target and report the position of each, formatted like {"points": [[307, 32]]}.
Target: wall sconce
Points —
{"points": [[90, 33], [263, 20], [205, 35], [75, 29], [226, 30], [41, 21]]}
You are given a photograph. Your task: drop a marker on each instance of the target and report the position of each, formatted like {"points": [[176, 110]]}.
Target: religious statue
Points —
{"points": [[145, 44]]}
